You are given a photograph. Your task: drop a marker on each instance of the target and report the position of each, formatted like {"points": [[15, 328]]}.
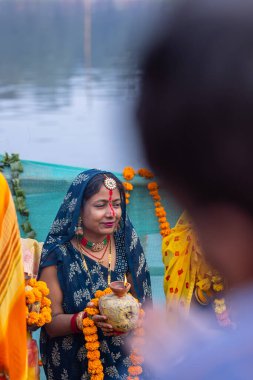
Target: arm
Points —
{"points": [[60, 324]]}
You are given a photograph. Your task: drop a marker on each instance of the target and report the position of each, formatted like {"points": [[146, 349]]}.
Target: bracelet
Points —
{"points": [[73, 325], [76, 322]]}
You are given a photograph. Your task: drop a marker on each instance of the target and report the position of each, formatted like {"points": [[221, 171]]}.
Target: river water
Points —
{"points": [[69, 79]]}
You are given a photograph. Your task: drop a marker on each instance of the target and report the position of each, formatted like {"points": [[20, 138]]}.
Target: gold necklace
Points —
{"points": [[86, 266]]}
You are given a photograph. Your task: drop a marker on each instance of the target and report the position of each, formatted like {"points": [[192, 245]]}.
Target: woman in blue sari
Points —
{"points": [[91, 242]]}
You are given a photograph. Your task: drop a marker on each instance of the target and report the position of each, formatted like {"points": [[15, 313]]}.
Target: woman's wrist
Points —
{"points": [[76, 322]]}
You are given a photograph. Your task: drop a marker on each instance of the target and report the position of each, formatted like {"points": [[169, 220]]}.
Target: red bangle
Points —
{"points": [[73, 324]]}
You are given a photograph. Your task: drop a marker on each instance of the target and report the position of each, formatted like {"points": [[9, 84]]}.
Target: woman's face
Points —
{"points": [[102, 212]]}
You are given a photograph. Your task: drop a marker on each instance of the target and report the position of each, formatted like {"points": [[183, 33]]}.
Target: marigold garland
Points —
{"points": [[38, 305], [90, 331], [135, 369]]}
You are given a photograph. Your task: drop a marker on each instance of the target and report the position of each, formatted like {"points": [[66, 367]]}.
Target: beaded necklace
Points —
{"points": [[95, 247], [80, 248]]}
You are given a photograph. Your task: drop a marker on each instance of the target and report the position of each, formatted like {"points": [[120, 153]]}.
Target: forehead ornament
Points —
{"points": [[110, 183]]}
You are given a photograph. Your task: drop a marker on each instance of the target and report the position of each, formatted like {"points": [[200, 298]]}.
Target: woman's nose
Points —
{"points": [[110, 210]]}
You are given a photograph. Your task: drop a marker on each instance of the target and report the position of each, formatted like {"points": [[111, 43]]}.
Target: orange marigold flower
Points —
{"points": [[158, 204], [42, 286], [153, 192], [93, 355], [128, 186], [30, 297], [99, 293], [40, 363], [92, 346], [107, 291], [165, 233], [92, 310], [88, 322], [127, 201], [91, 338], [152, 186], [164, 226], [135, 370], [95, 301], [136, 359], [45, 302], [145, 173], [99, 376], [95, 366], [128, 173], [127, 195], [157, 197], [37, 293], [90, 330], [33, 318], [162, 220]]}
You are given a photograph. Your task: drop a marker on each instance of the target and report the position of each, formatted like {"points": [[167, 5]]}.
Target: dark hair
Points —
{"points": [[97, 181], [195, 108]]}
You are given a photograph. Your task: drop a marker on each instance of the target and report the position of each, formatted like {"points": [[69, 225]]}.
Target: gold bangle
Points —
{"points": [[79, 320]]}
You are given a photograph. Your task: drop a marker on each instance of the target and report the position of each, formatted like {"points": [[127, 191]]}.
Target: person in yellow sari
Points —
{"points": [[13, 353], [187, 273]]}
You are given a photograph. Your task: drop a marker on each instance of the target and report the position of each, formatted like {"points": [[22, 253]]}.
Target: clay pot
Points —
{"points": [[120, 308]]}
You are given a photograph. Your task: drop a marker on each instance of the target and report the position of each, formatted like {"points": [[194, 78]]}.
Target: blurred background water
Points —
{"points": [[69, 78]]}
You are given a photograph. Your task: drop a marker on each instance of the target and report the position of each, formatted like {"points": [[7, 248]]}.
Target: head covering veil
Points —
{"points": [[66, 220]]}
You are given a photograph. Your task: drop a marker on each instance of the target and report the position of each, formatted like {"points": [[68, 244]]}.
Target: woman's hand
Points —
{"points": [[100, 322]]}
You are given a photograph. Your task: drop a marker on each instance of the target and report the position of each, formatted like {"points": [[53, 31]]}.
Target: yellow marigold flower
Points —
{"points": [[42, 286], [135, 370], [218, 287], [88, 322], [152, 186], [92, 310], [32, 282], [216, 279], [90, 330], [128, 186], [91, 338], [145, 173], [128, 173], [204, 284], [136, 359], [93, 355]]}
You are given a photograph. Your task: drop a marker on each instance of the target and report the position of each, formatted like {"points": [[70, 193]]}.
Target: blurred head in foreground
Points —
{"points": [[195, 115]]}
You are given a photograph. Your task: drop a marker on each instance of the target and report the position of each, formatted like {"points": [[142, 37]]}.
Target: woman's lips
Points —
{"points": [[109, 224]]}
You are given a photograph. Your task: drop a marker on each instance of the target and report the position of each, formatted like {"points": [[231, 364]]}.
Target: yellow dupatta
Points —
{"points": [[13, 353], [185, 267]]}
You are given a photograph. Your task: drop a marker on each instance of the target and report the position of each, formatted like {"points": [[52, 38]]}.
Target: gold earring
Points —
{"points": [[79, 229]]}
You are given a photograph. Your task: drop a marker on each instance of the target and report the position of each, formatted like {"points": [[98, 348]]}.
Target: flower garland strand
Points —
{"points": [[159, 209], [38, 309], [128, 174], [90, 331], [135, 369]]}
